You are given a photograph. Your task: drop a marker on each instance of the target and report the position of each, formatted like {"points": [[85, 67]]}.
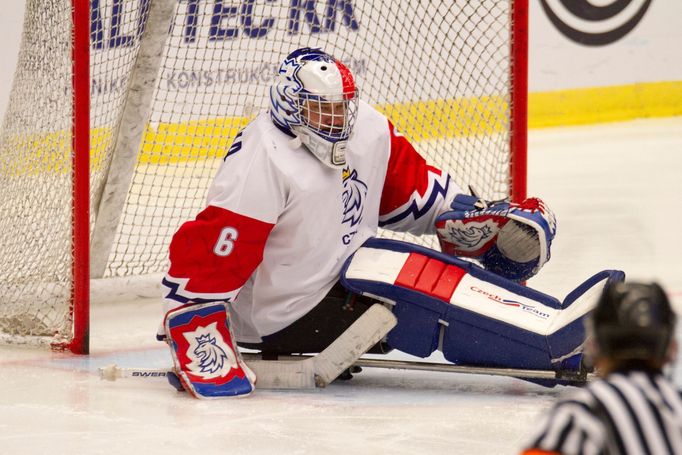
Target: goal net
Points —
{"points": [[171, 84]]}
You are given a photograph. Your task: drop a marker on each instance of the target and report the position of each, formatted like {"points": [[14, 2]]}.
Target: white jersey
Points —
{"points": [[279, 224]]}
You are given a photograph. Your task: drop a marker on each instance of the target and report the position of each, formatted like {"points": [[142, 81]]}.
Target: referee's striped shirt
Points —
{"points": [[632, 412]]}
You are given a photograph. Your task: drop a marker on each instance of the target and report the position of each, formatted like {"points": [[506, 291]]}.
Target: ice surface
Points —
{"points": [[616, 192]]}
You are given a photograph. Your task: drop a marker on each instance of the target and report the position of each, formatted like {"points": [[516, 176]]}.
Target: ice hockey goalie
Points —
{"points": [[283, 258]]}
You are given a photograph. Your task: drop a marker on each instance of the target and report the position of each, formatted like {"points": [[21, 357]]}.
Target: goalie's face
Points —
{"points": [[333, 120]]}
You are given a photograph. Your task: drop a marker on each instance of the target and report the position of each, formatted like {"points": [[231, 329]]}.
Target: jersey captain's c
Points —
{"points": [[278, 226]]}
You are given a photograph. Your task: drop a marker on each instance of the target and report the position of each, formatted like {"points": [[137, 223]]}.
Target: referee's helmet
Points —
{"points": [[633, 321]]}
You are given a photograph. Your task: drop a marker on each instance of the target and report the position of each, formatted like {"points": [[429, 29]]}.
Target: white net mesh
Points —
{"points": [[35, 145], [439, 70]]}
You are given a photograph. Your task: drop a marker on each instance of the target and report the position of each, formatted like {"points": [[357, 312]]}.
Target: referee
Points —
{"points": [[633, 409]]}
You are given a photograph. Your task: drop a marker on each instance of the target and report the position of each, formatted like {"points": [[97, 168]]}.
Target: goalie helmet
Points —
{"points": [[314, 98], [633, 321]]}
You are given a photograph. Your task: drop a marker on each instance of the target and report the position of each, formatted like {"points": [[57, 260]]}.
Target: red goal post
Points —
{"points": [[79, 305], [145, 96]]}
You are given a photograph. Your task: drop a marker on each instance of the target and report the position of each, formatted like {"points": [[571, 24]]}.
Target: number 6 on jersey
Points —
{"points": [[225, 243]]}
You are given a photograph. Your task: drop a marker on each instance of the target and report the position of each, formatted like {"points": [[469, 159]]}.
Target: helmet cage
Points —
{"points": [[332, 117]]}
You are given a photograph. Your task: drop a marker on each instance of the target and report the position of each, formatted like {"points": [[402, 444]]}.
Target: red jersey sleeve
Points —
{"points": [[214, 255], [414, 192]]}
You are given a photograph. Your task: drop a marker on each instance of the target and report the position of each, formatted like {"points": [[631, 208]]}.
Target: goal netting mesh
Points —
{"points": [[439, 70]]}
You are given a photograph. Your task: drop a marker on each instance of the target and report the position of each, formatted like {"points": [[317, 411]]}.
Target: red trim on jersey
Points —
{"points": [[407, 172], [430, 276], [347, 81], [192, 253]]}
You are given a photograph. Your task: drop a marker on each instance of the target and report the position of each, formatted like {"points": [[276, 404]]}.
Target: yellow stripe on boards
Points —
{"points": [[202, 139], [604, 104], [420, 120], [423, 120]]}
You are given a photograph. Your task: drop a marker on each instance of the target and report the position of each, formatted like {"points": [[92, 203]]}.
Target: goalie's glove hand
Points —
{"points": [[471, 227], [510, 239]]}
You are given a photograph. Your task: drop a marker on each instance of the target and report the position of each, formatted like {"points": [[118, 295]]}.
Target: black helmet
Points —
{"points": [[633, 321]]}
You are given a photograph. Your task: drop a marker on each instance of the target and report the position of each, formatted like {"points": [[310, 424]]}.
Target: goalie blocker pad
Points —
{"points": [[472, 315], [206, 360]]}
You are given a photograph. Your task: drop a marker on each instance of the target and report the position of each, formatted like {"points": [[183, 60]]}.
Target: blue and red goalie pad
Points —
{"points": [[206, 358], [473, 316]]}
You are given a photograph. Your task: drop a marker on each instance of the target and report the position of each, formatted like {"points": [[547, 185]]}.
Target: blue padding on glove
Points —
{"points": [[510, 239], [466, 203], [497, 263]]}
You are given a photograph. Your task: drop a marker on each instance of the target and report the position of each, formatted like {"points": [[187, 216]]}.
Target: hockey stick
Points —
{"points": [[300, 372], [113, 372]]}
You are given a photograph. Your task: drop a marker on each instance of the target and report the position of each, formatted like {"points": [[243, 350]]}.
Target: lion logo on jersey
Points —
{"points": [[210, 356], [354, 193]]}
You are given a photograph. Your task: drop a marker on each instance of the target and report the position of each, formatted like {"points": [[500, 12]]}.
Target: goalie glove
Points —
{"points": [[510, 239]]}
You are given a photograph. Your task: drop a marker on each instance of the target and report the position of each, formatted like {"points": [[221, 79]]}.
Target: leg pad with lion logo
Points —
{"points": [[205, 356]]}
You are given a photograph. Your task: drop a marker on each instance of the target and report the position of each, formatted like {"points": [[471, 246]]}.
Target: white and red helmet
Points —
{"points": [[314, 99]]}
